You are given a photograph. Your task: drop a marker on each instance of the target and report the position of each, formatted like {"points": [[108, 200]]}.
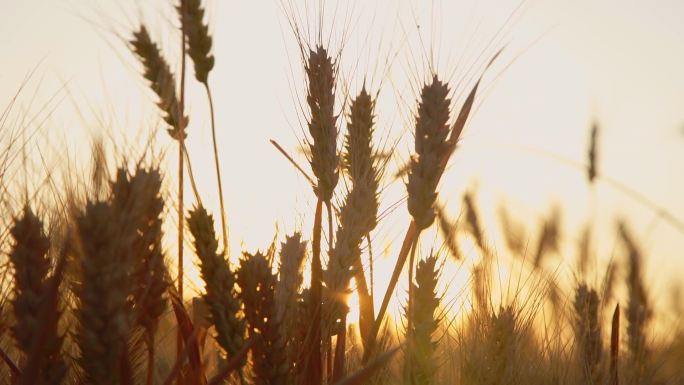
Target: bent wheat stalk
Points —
{"points": [[415, 228]]}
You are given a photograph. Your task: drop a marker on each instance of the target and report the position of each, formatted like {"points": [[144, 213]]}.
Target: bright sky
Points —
{"points": [[566, 63]]}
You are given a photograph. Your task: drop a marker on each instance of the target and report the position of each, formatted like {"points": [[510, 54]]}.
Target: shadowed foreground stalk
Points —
{"points": [[32, 302]]}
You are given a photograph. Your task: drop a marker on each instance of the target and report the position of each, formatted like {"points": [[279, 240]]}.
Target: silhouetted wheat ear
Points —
{"points": [[592, 167], [639, 311], [431, 148], [359, 156], [303, 312], [321, 72], [549, 236], [588, 334], [31, 264], [514, 233], [162, 81], [150, 272], [473, 223], [290, 279], [220, 293], [197, 37], [103, 246], [257, 291], [365, 172], [449, 231], [354, 225], [502, 340], [421, 359]]}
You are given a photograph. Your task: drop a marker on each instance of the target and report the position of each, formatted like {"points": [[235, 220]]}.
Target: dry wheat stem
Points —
{"points": [[224, 224], [411, 234], [311, 355], [181, 211]]}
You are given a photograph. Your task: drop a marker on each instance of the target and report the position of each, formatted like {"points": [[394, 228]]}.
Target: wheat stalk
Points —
{"points": [[365, 173], [322, 123], [321, 73], [199, 45]]}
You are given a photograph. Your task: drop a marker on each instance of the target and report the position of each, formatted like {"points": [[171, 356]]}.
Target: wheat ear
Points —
{"points": [[220, 292], [31, 302], [420, 364], [588, 333], [257, 291]]}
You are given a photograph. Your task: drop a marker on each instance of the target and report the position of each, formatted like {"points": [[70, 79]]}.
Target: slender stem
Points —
{"points": [[370, 269], [338, 365], [411, 234], [181, 217], [293, 162], [328, 206], [224, 225], [409, 310], [191, 174], [328, 342], [312, 365], [150, 362]]}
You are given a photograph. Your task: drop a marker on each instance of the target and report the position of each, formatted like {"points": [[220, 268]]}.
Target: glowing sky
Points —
{"points": [[567, 63]]}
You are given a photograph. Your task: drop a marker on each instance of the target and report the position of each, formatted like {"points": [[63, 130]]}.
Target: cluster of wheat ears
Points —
{"points": [[88, 302]]}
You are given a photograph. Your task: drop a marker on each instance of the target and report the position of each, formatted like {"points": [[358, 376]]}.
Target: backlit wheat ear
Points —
{"points": [[354, 225], [358, 216], [421, 359], [549, 237], [449, 231], [584, 251], [592, 167], [472, 220], [290, 279], [257, 291], [321, 72], [502, 343], [162, 81], [431, 147], [197, 36], [220, 292], [365, 173], [31, 264], [149, 271], [588, 334], [514, 233], [639, 310], [359, 155], [104, 311]]}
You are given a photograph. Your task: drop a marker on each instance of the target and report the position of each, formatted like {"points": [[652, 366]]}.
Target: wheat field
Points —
{"points": [[96, 286]]}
